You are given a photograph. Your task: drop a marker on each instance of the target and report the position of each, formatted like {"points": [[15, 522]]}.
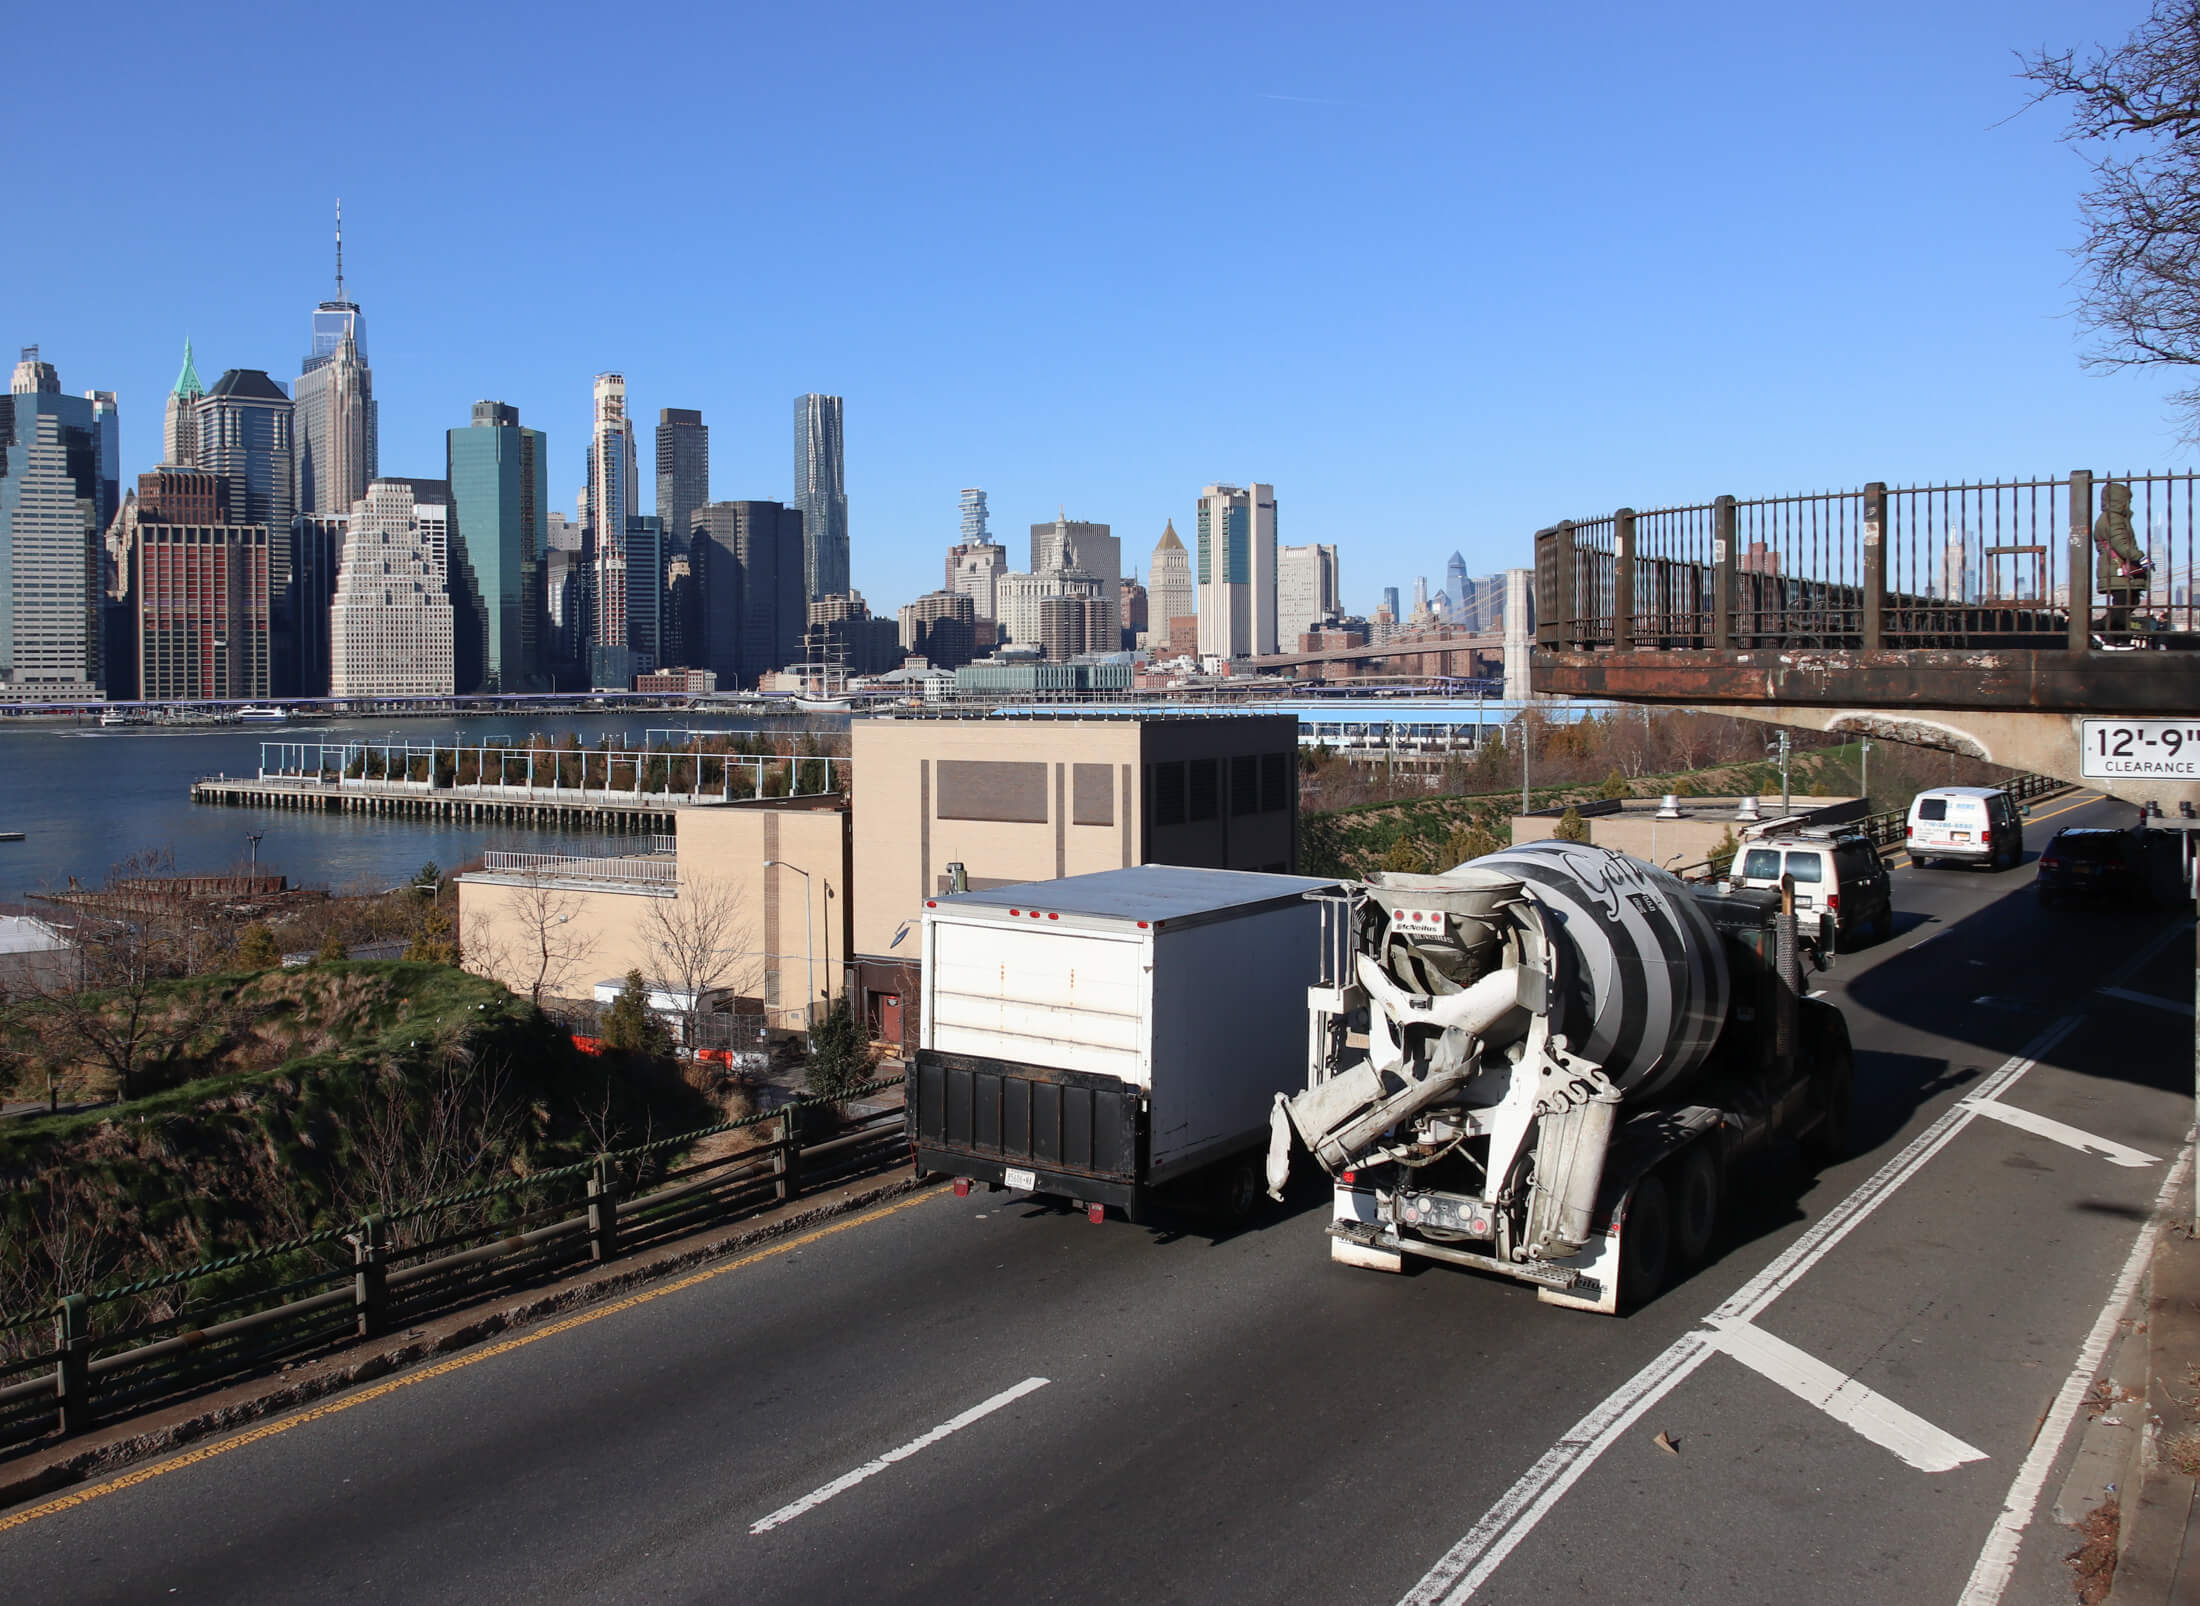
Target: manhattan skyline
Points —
{"points": [[1409, 353]]}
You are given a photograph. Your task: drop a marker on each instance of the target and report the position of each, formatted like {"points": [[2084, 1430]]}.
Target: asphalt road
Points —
{"points": [[1238, 1418]]}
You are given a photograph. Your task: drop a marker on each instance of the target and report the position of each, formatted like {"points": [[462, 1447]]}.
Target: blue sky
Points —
{"points": [[1441, 273]]}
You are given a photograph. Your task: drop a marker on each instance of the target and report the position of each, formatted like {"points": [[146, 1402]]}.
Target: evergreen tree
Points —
{"points": [[1571, 826], [632, 1027], [840, 1059], [257, 948], [1615, 785]]}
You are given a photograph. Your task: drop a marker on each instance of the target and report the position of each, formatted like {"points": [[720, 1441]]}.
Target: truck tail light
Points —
{"points": [[1985, 837], [1833, 900], [1908, 831], [1346, 1177]]}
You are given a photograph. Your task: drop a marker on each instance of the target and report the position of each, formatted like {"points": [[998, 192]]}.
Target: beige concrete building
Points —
{"points": [[785, 935], [1014, 800]]}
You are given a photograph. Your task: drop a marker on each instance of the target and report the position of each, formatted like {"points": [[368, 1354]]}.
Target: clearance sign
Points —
{"points": [[2139, 749]]}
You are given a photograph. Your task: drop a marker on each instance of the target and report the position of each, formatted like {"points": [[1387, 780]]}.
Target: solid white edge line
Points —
{"points": [[1893, 1427], [847, 1481], [1997, 1558], [2069, 1137], [1461, 1570]]}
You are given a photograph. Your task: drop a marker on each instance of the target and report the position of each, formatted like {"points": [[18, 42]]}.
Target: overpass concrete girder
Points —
{"points": [[2020, 708]]}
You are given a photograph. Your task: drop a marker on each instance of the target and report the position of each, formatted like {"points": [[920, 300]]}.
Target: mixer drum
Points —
{"points": [[1642, 975]]}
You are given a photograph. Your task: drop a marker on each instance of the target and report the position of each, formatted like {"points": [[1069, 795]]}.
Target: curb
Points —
{"points": [[351, 1368], [2162, 1498]]}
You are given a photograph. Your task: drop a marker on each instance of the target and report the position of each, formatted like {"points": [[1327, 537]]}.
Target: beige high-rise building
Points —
{"points": [[391, 626], [1169, 591], [1306, 591], [1236, 570]]}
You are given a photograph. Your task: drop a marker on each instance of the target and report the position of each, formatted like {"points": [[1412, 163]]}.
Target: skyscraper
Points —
{"points": [[500, 494], [316, 555], [338, 433], [1306, 591], [1420, 596], [201, 584], [391, 627], [683, 471], [1455, 585], [646, 552], [1390, 601], [611, 502], [179, 425], [1092, 549], [974, 532], [50, 589], [107, 425], [821, 493], [746, 558], [1169, 593], [244, 429], [1236, 570]]}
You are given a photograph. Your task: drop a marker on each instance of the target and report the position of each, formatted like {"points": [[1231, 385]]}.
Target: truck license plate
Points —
{"points": [[1959, 836], [1017, 1177]]}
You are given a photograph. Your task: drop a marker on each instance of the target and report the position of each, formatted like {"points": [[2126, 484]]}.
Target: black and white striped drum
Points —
{"points": [[1642, 974]]}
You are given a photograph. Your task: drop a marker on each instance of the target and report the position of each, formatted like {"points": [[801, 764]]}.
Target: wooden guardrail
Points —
{"points": [[183, 1331]]}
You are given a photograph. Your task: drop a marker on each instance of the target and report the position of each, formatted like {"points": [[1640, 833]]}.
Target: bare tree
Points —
{"points": [[547, 942], [2137, 109], [412, 1142], [699, 941], [118, 1008]]}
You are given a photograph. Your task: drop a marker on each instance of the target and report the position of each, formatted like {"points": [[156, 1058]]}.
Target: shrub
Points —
{"points": [[257, 948], [1571, 826], [1615, 785]]}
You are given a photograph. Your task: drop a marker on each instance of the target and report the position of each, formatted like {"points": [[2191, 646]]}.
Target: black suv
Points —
{"points": [[2092, 862]]}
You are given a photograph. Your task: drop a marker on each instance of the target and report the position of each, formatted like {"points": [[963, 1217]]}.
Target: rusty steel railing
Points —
{"points": [[1878, 567], [177, 1333]]}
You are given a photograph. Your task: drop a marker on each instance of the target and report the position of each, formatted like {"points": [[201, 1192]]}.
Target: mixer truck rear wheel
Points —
{"points": [[1695, 1203], [1645, 1242]]}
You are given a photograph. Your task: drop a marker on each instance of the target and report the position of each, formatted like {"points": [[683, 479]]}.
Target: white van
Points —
{"points": [[1966, 825]]}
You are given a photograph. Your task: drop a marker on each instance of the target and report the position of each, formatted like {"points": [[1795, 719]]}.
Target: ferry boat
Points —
{"points": [[253, 714], [125, 716]]}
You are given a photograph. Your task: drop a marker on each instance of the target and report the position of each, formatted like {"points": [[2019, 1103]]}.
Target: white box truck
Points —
{"points": [[1104, 1037]]}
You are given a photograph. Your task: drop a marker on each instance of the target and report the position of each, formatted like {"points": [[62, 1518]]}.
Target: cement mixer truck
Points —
{"points": [[1550, 1064]]}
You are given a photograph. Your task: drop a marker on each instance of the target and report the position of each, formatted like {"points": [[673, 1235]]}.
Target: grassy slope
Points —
{"points": [[270, 1145]]}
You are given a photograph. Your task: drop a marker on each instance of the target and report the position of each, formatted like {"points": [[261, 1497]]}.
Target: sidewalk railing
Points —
{"points": [[603, 870], [126, 1349]]}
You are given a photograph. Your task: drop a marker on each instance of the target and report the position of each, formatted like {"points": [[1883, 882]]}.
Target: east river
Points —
{"points": [[85, 798]]}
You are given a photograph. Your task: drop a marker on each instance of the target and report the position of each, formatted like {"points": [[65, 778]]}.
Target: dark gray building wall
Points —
{"points": [[683, 471]]}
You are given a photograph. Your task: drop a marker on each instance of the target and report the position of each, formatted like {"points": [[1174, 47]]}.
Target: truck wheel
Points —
{"points": [[1695, 1203], [1645, 1242], [1829, 1140], [1239, 1188]]}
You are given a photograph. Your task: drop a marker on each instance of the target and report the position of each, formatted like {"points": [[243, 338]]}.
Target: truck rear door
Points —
{"points": [[1072, 998]]}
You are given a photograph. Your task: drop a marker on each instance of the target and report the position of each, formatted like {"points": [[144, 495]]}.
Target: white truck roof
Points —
{"points": [[1149, 892]]}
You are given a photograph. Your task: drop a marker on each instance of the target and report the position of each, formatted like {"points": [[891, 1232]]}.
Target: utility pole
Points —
{"points": [[1523, 758], [1781, 746], [1865, 747]]}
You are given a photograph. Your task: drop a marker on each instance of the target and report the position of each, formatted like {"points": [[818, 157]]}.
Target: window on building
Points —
{"points": [[1168, 794], [1203, 783], [1275, 782], [1244, 785]]}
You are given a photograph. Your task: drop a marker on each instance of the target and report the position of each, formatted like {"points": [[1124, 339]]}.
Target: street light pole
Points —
{"points": [[809, 949]]}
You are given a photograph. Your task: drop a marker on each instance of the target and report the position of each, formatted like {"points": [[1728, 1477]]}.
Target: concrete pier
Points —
{"points": [[597, 813]]}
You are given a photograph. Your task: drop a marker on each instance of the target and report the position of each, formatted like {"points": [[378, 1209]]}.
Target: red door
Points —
{"points": [[889, 1018]]}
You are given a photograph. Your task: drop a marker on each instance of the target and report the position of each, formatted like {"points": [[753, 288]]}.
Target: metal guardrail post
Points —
{"points": [[2080, 638], [1623, 580], [72, 1372], [603, 1213], [1722, 573], [1563, 603], [370, 1289], [789, 1185], [1875, 565]]}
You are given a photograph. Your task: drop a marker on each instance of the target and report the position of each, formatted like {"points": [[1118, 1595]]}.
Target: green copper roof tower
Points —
{"points": [[179, 428]]}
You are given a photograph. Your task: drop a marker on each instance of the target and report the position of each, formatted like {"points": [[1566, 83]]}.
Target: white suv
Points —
{"points": [[1966, 825]]}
